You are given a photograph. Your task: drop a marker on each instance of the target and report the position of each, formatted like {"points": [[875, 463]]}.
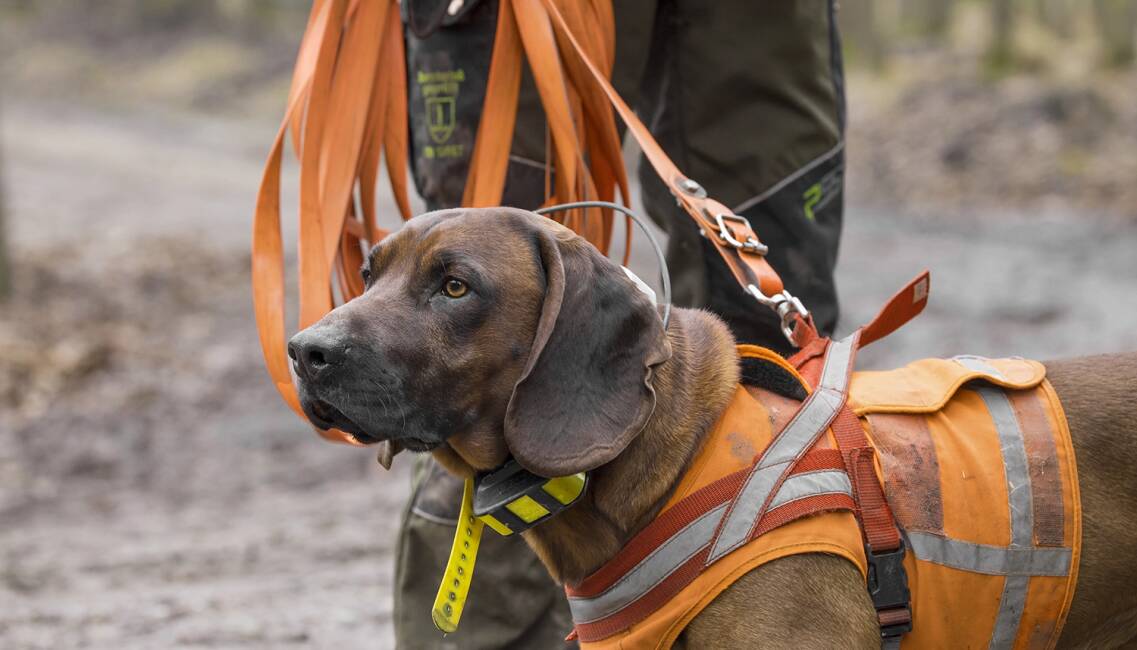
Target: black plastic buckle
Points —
{"points": [[888, 586], [495, 490]]}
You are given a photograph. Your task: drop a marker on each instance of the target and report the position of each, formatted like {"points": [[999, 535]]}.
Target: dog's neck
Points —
{"points": [[692, 389]]}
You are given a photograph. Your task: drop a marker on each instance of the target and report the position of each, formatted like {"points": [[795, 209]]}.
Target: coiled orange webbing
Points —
{"points": [[348, 105]]}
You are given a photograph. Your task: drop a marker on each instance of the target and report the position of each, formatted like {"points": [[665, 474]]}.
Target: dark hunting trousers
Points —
{"points": [[748, 99]]}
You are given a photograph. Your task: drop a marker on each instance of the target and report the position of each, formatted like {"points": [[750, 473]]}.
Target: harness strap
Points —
{"points": [[708, 524], [788, 446], [884, 549], [346, 89], [667, 555]]}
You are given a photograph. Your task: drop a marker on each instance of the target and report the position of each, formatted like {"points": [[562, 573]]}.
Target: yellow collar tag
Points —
{"points": [[455, 587], [515, 500], [511, 499]]}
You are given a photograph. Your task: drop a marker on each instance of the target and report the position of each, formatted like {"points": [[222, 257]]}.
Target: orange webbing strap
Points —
{"points": [[877, 521], [888, 582], [346, 106], [676, 519], [732, 236], [902, 307], [879, 525], [883, 546], [584, 143], [883, 551]]}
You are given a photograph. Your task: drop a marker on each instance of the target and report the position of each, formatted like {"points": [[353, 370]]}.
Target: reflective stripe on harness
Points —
{"points": [[786, 482], [691, 540], [810, 422]]}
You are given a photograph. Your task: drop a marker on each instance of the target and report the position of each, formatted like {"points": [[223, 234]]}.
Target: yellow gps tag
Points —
{"points": [[459, 572]]}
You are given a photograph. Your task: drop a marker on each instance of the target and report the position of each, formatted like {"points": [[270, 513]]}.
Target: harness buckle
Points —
{"points": [[510, 499], [751, 245], [888, 586]]}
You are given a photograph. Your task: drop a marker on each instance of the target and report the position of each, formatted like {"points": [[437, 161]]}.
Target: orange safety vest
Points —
{"points": [[992, 554]]}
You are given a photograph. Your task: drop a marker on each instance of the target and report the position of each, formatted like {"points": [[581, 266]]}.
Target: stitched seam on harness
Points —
{"points": [[643, 562]]}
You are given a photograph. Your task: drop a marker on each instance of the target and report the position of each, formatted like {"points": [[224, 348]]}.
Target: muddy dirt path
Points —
{"points": [[155, 492]]}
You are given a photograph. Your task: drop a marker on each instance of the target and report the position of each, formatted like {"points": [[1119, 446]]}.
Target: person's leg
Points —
{"points": [[513, 601], [748, 99], [740, 129]]}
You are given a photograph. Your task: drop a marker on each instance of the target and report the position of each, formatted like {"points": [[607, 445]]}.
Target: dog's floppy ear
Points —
{"points": [[586, 390]]}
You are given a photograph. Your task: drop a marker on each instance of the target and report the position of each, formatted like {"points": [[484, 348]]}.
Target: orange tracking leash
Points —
{"points": [[347, 106]]}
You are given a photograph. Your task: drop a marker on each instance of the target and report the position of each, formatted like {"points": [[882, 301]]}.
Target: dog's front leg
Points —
{"points": [[802, 601]]}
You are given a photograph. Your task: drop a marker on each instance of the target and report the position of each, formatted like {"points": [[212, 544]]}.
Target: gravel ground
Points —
{"points": [[154, 491], [933, 136]]}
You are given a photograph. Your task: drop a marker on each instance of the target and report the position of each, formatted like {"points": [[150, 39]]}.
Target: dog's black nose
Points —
{"points": [[314, 352]]}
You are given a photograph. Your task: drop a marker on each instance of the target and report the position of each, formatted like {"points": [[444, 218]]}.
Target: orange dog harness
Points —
{"points": [[976, 463]]}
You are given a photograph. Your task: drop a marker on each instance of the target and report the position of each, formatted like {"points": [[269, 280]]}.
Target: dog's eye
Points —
{"points": [[366, 273], [455, 288]]}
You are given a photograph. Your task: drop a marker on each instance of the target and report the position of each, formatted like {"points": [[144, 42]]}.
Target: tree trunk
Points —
{"points": [[861, 34], [1117, 22], [5, 265], [938, 19], [1000, 51], [1056, 16]]}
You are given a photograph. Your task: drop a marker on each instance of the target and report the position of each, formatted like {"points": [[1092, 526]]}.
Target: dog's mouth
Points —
{"points": [[326, 416], [415, 444]]}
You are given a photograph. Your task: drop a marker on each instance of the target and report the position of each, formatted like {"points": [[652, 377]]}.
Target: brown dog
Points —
{"points": [[489, 333]]}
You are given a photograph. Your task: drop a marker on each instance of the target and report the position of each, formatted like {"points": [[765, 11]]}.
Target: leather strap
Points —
{"points": [[347, 90], [749, 267], [655, 544], [584, 145]]}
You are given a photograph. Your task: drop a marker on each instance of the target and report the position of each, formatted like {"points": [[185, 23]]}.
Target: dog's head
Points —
{"points": [[496, 330]]}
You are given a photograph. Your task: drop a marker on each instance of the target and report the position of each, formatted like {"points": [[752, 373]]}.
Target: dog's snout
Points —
{"points": [[314, 352]]}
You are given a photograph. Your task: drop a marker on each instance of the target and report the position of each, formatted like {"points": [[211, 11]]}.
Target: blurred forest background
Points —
{"points": [[155, 492]]}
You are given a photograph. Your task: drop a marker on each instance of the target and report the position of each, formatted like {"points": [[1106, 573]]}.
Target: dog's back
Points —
{"points": [[1099, 396]]}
